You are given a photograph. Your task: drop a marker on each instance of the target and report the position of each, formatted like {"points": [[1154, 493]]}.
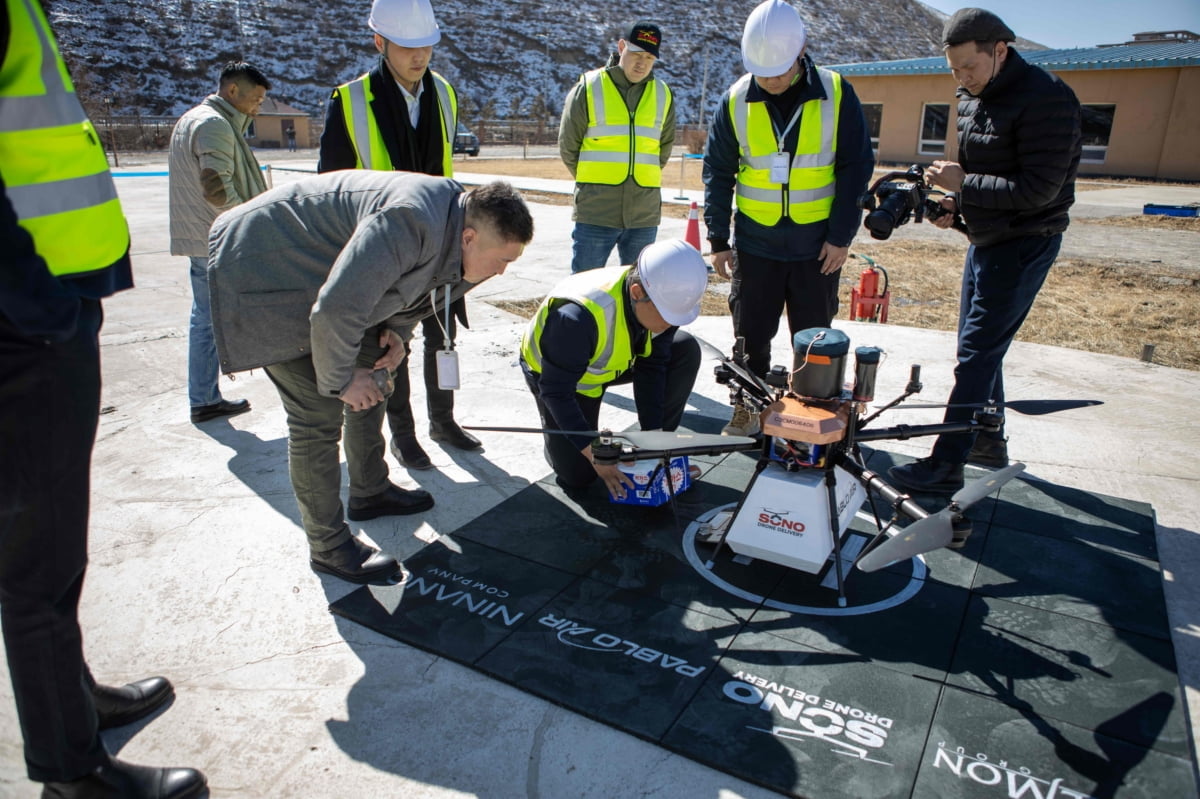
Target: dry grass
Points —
{"points": [[1152, 222], [1086, 304]]}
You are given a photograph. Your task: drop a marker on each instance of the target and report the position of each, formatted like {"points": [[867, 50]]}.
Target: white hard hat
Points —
{"points": [[408, 23], [674, 276], [773, 38]]}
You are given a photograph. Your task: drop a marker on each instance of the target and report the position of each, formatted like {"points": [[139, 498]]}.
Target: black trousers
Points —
{"points": [[760, 289], [49, 409], [571, 467], [440, 401]]}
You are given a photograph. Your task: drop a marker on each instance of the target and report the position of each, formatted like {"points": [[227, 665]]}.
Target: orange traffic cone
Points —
{"points": [[692, 234]]}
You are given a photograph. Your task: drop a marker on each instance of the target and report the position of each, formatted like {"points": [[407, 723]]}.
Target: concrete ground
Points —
{"points": [[199, 568]]}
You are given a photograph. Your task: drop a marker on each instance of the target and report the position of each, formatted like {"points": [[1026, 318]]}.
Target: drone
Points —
{"points": [[811, 478]]}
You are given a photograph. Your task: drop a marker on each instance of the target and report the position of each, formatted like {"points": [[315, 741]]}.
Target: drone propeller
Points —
{"points": [[747, 376], [648, 440], [937, 530], [1027, 407]]}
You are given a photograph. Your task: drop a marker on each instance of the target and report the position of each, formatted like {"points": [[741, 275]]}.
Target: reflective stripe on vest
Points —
{"points": [[602, 293], [55, 171], [808, 197], [615, 145], [363, 128]]}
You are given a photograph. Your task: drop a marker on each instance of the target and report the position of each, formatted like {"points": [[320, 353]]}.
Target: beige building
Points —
{"points": [[270, 127], [1141, 107]]}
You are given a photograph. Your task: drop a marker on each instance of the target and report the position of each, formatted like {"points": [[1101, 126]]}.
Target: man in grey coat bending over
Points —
{"points": [[316, 281]]}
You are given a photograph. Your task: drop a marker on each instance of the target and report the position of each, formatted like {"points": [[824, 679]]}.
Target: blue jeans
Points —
{"points": [[203, 367], [1000, 283], [594, 243]]}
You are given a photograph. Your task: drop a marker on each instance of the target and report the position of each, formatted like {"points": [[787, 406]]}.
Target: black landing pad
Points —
{"points": [[1036, 661]]}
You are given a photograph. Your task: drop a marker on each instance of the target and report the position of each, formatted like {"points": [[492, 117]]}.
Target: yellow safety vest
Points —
{"points": [[602, 293], [55, 171], [808, 195], [616, 145], [363, 128]]}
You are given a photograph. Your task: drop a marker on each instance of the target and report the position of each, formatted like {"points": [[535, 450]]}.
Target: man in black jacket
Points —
{"points": [[1018, 148], [406, 117]]}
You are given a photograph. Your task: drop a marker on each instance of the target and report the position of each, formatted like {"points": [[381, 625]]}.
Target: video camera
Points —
{"points": [[901, 195]]}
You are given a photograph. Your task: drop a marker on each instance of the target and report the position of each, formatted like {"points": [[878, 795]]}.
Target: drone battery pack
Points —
{"points": [[650, 481], [797, 420], [784, 518]]}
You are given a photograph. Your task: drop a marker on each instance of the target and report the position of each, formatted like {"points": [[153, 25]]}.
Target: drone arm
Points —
{"points": [[906, 431], [897, 499]]}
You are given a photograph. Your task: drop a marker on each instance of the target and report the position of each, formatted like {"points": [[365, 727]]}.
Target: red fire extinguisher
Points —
{"points": [[869, 300]]}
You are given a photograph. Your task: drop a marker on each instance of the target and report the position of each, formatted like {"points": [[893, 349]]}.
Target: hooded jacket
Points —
{"points": [[1019, 142], [211, 169]]}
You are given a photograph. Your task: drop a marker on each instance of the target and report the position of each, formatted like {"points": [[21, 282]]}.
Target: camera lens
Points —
{"points": [[880, 223]]}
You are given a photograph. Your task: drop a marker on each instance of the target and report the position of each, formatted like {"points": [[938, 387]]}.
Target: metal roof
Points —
{"points": [[1128, 56]]}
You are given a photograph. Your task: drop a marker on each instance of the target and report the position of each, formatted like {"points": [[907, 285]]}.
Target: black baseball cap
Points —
{"points": [[644, 37], [975, 25]]}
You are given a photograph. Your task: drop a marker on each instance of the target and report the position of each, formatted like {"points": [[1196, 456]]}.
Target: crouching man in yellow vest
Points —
{"points": [[609, 327], [616, 135]]}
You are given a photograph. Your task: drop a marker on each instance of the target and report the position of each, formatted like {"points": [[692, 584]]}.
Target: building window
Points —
{"points": [[934, 120], [874, 114], [1097, 125]]}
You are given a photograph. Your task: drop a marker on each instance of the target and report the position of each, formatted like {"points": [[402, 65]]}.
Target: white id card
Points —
{"points": [[781, 168], [447, 369]]}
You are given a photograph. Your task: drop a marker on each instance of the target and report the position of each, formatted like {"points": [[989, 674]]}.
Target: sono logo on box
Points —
{"points": [[784, 518], [650, 481]]}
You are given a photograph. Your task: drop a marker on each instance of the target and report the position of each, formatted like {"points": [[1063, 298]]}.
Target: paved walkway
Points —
{"points": [[199, 571]]}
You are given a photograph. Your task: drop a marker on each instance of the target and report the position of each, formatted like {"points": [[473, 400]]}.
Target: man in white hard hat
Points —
{"points": [[616, 135], [635, 312], [402, 115], [790, 144]]}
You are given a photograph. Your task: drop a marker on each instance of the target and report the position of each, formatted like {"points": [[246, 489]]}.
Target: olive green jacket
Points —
{"points": [[627, 205]]}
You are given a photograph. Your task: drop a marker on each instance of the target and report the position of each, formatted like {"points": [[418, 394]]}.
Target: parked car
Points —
{"points": [[465, 141]]}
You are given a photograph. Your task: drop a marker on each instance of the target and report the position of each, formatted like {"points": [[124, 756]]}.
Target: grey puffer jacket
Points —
{"points": [[211, 169], [1019, 142], [308, 268]]}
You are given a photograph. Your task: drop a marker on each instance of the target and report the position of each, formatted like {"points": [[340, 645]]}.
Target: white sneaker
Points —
{"points": [[743, 423]]}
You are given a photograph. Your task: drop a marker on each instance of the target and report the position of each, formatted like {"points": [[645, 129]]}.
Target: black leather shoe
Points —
{"points": [[450, 433], [988, 451], [119, 780], [117, 707], [395, 501], [406, 450], [355, 562], [929, 475], [202, 413]]}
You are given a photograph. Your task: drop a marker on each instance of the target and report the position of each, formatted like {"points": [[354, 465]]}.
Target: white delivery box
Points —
{"points": [[785, 517]]}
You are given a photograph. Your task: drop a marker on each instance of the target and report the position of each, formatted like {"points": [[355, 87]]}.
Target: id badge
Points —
{"points": [[447, 369], [781, 168]]}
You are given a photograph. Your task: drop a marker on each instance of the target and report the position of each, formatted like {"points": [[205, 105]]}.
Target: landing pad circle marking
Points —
{"points": [[900, 597]]}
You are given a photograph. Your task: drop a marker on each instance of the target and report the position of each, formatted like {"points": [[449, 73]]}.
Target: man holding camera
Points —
{"points": [[1019, 145], [790, 143]]}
